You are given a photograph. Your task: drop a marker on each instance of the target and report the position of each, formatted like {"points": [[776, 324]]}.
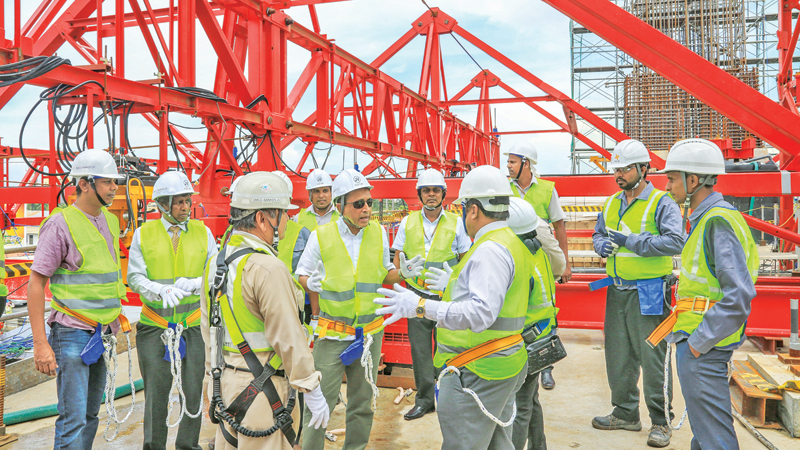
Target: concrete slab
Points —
{"points": [[777, 373], [580, 394]]}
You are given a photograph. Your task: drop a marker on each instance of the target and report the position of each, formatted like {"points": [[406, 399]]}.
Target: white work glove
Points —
{"points": [[411, 268], [320, 413], [314, 282], [186, 285], [436, 279], [400, 303], [171, 296], [313, 324]]}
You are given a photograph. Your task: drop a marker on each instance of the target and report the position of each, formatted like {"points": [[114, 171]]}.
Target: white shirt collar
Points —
{"points": [[534, 180], [344, 230], [490, 227], [167, 225], [314, 211], [425, 218]]}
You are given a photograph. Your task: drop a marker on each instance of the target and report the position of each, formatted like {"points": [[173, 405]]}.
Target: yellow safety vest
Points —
{"points": [[308, 219], [542, 300], [286, 248], [441, 251], [539, 195], [3, 288]]}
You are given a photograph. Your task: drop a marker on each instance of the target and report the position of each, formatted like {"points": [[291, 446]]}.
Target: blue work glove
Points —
{"points": [[617, 237], [607, 248]]}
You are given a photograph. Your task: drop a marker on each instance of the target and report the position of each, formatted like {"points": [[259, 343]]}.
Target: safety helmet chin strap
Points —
{"points": [[275, 236], [168, 212], [707, 180], [99, 199], [521, 165], [429, 208], [346, 219]]}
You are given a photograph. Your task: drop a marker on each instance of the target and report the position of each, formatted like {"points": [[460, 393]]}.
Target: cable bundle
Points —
{"points": [[29, 69]]}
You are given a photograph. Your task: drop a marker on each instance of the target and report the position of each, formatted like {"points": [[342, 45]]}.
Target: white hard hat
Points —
{"points": [[94, 163], [698, 156], [524, 150], [485, 183], [431, 177], [628, 152], [172, 183], [285, 178], [348, 181], [261, 190], [522, 217], [318, 178]]}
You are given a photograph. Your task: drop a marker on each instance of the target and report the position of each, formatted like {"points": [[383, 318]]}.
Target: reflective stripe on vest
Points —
{"points": [[541, 303], [347, 294], [510, 321], [441, 250], [640, 216], [538, 195], [308, 219], [165, 266], [93, 290], [696, 277]]}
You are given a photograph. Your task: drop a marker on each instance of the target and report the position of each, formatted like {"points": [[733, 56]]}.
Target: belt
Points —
{"points": [[124, 324], [340, 327], [161, 322], [697, 305], [483, 350], [427, 296], [608, 281]]}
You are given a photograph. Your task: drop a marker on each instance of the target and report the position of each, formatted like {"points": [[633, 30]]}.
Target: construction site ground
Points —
{"points": [[581, 393]]}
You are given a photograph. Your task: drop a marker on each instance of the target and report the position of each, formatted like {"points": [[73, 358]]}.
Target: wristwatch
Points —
{"points": [[421, 308]]}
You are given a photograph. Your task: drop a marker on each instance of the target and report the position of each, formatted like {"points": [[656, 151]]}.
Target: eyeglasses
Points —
{"points": [[358, 204], [625, 169]]}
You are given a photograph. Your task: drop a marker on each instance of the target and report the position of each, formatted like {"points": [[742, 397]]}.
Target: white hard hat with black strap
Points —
{"points": [[347, 181], [262, 190], [171, 184], [630, 152], [431, 178], [526, 151], [489, 186], [92, 164]]}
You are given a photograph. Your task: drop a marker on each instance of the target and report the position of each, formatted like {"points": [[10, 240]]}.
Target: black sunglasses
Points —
{"points": [[358, 204]]}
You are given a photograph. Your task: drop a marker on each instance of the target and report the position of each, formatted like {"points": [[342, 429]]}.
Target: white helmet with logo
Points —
{"points": [[348, 181], [698, 156], [94, 163], [172, 183], [285, 178], [628, 152], [485, 183], [522, 217], [431, 177], [318, 178], [261, 190]]}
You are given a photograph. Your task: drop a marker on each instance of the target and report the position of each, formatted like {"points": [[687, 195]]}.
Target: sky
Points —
{"points": [[531, 33]]}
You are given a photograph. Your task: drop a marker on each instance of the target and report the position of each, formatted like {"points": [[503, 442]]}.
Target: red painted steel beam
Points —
{"points": [[767, 227], [541, 98], [697, 76]]}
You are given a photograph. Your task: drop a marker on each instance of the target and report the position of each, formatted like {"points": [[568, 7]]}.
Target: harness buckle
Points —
{"points": [[339, 327], [705, 307], [617, 281]]}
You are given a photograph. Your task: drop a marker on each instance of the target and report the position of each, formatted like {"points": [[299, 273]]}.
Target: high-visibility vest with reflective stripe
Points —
{"points": [[696, 278], [95, 289], [640, 216], [441, 251], [3, 288], [286, 248], [308, 219], [347, 295], [542, 299], [165, 266], [539, 195], [510, 321], [246, 326]]}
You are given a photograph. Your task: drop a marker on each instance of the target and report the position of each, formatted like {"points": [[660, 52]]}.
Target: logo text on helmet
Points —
{"points": [[319, 179], [186, 184], [266, 188], [356, 179]]}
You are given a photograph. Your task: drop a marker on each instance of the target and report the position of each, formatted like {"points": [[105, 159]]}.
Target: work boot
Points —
{"points": [[659, 436], [610, 422], [547, 378]]}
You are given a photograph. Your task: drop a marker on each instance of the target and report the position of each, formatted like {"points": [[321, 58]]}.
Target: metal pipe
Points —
{"points": [[794, 345], [20, 314], [21, 249]]}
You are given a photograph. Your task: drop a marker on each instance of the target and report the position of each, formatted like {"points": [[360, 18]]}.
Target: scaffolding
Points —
{"points": [[737, 35]]}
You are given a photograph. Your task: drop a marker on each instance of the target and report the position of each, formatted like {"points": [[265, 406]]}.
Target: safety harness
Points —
{"points": [[262, 382]]}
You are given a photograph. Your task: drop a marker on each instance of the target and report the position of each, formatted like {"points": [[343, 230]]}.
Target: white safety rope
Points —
{"points": [[366, 363], [110, 358], [454, 370], [667, 367], [172, 339]]}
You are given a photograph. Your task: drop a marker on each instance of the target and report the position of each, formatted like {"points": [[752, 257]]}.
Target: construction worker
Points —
{"points": [[638, 232], [719, 267], [78, 252], [165, 267], [3, 288], [321, 211], [253, 333], [440, 238], [539, 323], [346, 261], [480, 320]]}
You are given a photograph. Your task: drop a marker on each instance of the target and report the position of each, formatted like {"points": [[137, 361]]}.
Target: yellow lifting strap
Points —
{"points": [[483, 350], [150, 314], [340, 327], [694, 304]]}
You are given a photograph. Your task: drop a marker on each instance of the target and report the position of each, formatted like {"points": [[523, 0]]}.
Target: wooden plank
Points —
{"points": [[749, 398], [777, 373], [795, 369], [751, 382], [787, 359]]}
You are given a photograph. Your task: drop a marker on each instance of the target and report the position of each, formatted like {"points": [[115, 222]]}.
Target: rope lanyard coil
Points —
{"points": [[366, 363], [172, 339], [667, 367], [454, 370], [110, 358]]}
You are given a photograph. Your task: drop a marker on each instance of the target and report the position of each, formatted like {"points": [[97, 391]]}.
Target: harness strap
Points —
{"points": [[124, 323], [323, 325], [161, 322], [231, 439], [697, 305], [483, 350]]}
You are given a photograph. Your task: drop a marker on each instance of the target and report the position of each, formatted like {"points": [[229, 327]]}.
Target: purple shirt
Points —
{"points": [[57, 249]]}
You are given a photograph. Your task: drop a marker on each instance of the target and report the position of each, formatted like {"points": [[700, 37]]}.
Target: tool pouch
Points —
{"points": [[93, 349], [354, 350], [651, 296], [181, 346], [545, 352]]}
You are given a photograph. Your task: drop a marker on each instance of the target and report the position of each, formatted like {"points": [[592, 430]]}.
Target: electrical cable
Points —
{"points": [[12, 73]]}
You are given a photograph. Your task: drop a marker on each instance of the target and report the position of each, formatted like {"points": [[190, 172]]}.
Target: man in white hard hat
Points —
{"points": [[542, 195], [321, 211], [540, 322], [346, 261], [252, 329], [440, 238], [78, 252], [719, 268], [480, 320], [165, 267], [639, 231]]}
